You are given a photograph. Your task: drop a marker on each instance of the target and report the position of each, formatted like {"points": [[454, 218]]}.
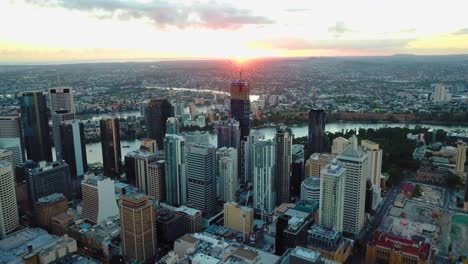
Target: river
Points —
{"points": [[94, 152]]}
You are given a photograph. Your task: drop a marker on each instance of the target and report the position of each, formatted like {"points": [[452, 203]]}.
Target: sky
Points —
{"points": [[100, 30]]}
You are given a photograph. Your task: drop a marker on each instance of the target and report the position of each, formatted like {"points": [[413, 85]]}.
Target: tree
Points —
{"points": [[417, 191]]}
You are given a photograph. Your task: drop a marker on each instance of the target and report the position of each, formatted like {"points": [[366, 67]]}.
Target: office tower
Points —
{"points": [[6, 155], [226, 161], [283, 161], [291, 229], [331, 205], [339, 144], [172, 126], [156, 180], [149, 145], [48, 207], [179, 108], [461, 157], [62, 108], [9, 220], [174, 165], [169, 226], [228, 134], [315, 164], [136, 168], [310, 189], [11, 138], [110, 142], [197, 137], [99, 201], [138, 223], [238, 218], [157, 113], [354, 159], [264, 175], [374, 160], [240, 106], [49, 178], [201, 180], [73, 147], [297, 170], [316, 137], [247, 169], [441, 94], [35, 126]]}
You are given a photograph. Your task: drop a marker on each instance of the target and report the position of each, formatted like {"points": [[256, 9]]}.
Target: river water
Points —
{"points": [[94, 152]]}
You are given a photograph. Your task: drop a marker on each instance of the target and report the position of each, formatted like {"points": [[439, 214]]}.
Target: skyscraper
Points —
{"points": [[201, 182], [332, 187], [264, 197], [73, 147], [99, 202], [35, 126], [11, 138], [62, 109], [136, 168], [9, 220], [227, 172], [157, 113], [283, 161], [339, 144], [374, 162], [228, 134], [316, 136], [110, 142], [355, 161], [176, 180], [240, 106], [172, 126], [149, 144], [461, 157], [156, 180], [49, 178], [247, 155], [138, 223]]}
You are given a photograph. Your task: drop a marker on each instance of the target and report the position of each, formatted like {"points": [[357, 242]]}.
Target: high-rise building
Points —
{"points": [[238, 218], [157, 113], [228, 134], [110, 142], [6, 155], [283, 161], [99, 201], [49, 178], [297, 170], [156, 180], [461, 157], [48, 207], [174, 166], [291, 229], [201, 180], [355, 161], [73, 147], [9, 219], [197, 137], [179, 108], [310, 189], [11, 138], [172, 126], [240, 106], [264, 197], [62, 109], [247, 155], [138, 223], [226, 161], [315, 164], [316, 137], [136, 168], [332, 187], [35, 126], [339, 144], [441, 94], [149, 144], [374, 161]]}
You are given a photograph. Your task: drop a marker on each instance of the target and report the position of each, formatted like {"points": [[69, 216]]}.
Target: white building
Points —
{"points": [[99, 201], [310, 189], [264, 175], [461, 157], [227, 172], [374, 161], [62, 109], [331, 205], [156, 188], [441, 94], [339, 144], [138, 169], [354, 159], [247, 154], [9, 220]]}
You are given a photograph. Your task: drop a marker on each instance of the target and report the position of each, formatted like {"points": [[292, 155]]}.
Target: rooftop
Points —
{"points": [[398, 244], [307, 254], [51, 198], [323, 231], [93, 180]]}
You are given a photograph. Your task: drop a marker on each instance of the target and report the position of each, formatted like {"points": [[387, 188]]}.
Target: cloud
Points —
{"points": [[463, 31], [165, 13], [350, 44], [338, 29], [297, 9]]}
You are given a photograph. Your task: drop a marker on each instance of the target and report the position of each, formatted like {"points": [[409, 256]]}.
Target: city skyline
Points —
{"points": [[78, 31]]}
